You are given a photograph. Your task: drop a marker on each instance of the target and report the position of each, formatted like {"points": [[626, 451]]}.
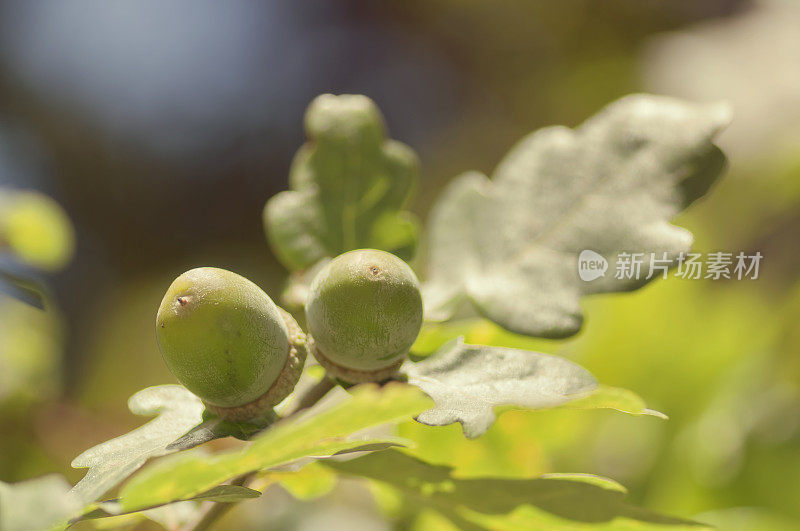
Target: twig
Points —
{"points": [[219, 509], [312, 396]]}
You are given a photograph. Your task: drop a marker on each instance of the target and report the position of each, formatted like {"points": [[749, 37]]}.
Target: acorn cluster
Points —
{"points": [[231, 345]]}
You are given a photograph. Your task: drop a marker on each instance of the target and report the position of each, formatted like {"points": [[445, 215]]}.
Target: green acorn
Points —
{"points": [[228, 343], [364, 311]]}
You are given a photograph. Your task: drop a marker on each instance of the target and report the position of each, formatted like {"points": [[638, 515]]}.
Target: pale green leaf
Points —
{"points": [[349, 185], [319, 432], [510, 245], [111, 462], [467, 383]]}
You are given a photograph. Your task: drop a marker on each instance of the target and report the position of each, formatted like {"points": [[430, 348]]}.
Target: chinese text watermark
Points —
{"points": [[691, 266]]}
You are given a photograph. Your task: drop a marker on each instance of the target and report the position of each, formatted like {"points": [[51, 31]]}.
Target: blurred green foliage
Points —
{"points": [[30, 353], [35, 229]]}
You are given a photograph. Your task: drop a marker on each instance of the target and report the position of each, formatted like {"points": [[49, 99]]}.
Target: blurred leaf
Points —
{"points": [[749, 519], [476, 331], [429, 519], [30, 353], [468, 381], [112, 510], [311, 481], [36, 504], [555, 501], [510, 245], [172, 516], [349, 185], [111, 462], [24, 289], [320, 431], [295, 291], [36, 229], [680, 342]]}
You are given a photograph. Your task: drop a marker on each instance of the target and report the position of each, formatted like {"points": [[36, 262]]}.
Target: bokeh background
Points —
{"points": [[163, 127]]}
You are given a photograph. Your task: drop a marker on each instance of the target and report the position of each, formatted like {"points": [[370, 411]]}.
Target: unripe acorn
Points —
{"points": [[364, 311], [228, 343]]}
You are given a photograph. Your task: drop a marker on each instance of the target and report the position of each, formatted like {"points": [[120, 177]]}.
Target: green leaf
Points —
{"points": [[36, 504], [349, 185], [607, 397], [111, 462], [554, 501], [510, 245], [467, 382], [319, 432]]}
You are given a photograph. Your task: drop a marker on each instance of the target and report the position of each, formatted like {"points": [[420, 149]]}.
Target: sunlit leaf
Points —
{"points": [[320, 431], [607, 397], [467, 383], [554, 501], [510, 245], [349, 185], [179, 426]]}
